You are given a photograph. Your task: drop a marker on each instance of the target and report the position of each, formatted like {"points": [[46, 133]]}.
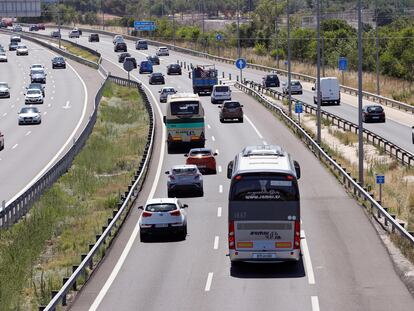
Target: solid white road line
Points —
{"points": [[219, 211], [209, 281], [216, 242], [134, 234], [315, 303], [308, 262], [254, 127], [221, 188]]}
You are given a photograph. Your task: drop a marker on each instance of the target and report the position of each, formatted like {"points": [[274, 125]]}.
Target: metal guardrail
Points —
{"points": [[346, 89], [87, 261], [405, 157], [11, 213], [344, 177]]}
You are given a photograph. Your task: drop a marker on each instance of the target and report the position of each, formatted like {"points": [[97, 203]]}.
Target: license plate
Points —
{"points": [[264, 256], [161, 225], [375, 117]]}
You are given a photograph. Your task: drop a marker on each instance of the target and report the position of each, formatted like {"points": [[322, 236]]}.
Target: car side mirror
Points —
{"points": [[140, 207], [313, 88], [297, 169], [159, 91], [215, 154], [167, 172], [185, 205], [164, 119], [241, 106], [186, 155], [230, 169]]}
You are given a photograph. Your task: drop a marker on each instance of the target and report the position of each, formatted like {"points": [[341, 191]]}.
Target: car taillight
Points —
{"points": [[297, 234], [175, 213], [231, 235], [146, 214]]}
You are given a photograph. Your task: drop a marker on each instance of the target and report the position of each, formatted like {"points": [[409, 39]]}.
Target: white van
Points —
{"points": [[220, 93], [330, 92]]}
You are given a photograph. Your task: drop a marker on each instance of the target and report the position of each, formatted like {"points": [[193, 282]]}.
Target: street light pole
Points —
{"points": [[377, 47], [238, 37], [318, 72], [289, 58], [322, 39], [276, 36], [360, 126], [103, 15]]}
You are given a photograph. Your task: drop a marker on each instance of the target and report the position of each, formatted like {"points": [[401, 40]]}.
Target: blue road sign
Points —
{"points": [[343, 63], [144, 25], [219, 37], [298, 107], [380, 179], [241, 63]]}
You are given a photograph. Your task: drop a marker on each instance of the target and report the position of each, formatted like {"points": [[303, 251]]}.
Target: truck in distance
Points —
{"points": [[204, 78]]}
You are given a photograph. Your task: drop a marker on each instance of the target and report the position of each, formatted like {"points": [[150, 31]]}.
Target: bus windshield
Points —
{"points": [[184, 108], [269, 187]]}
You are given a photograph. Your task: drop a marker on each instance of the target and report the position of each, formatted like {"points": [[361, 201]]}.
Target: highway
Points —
{"points": [[345, 265], [30, 150]]}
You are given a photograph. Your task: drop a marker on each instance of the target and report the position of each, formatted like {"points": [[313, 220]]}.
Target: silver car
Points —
{"points": [[4, 90], [33, 96], [3, 56], [29, 115], [163, 216], [163, 51], [164, 92], [296, 87], [184, 179], [22, 50]]}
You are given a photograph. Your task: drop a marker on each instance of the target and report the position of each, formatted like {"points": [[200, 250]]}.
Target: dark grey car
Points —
{"points": [[38, 75]]}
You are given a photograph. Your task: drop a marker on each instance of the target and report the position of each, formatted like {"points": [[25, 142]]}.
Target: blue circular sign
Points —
{"points": [[241, 63], [219, 37]]}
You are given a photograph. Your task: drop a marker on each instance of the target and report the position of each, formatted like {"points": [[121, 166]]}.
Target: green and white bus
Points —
{"points": [[184, 120]]}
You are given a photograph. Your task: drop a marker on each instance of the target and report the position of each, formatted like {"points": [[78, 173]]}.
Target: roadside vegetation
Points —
{"points": [[42, 248], [80, 52]]}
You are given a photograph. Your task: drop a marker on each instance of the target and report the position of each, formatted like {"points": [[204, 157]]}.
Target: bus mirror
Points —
{"points": [[164, 119], [297, 169], [229, 169]]}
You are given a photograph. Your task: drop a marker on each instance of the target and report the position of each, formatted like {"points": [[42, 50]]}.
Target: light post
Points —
{"points": [[289, 59], [360, 125], [377, 47], [318, 72], [276, 36]]}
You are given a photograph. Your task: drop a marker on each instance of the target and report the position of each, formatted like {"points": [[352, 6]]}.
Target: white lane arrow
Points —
{"points": [[67, 106]]}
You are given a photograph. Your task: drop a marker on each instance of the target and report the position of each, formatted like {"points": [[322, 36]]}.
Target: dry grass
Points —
{"points": [[80, 52]]}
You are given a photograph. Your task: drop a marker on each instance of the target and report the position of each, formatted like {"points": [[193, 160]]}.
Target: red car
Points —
{"points": [[41, 26], [203, 158]]}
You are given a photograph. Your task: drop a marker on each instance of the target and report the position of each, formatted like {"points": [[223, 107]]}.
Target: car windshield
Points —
{"points": [[271, 78], [375, 109], [169, 90], [37, 66], [2, 84], [32, 92], [184, 171], [184, 108], [22, 47], [29, 109], [37, 71], [58, 59], [295, 83], [161, 207], [35, 86], [200, 152], [157, 74], [232, 105], [222, 89]]}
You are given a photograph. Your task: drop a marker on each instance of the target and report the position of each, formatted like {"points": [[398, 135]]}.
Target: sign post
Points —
{"points": [[343, 66], [298, 109], [380, 179], [219, 37], [241, 64], [128, 66]]}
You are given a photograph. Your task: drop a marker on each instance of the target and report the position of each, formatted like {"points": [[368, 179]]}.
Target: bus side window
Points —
{"points": [[229, 169], [297, 169]]}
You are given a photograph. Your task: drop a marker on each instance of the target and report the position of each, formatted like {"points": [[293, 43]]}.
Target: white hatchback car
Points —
{"points": [[163, 216], [163, 51], [184, 179], [296, 87], [165, 91], [22, 50]]}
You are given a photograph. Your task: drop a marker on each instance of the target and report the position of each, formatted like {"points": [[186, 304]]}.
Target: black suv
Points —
{"points": [[373, 113], [121, 57], [173, 69], [154, 59], [58, 62], [133, 60], [156, 78], [271, 80], [120, 46], [93, 37], [33, 28]]}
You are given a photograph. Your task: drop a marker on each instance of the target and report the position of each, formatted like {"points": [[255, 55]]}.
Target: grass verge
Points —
{"points": [[39, 250], [80, 52]]}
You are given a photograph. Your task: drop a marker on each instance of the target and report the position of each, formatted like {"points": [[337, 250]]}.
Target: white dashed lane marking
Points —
{"points": [[219, 211], [209, 281]]}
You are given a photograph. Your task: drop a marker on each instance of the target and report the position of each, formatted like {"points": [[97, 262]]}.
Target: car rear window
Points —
{"points": [[271, 77], [184, 171], [200, 152], [31, 92], [231, 105], [296, 83], [161, 207], [375, 109], [222, 89], [171, 90]]}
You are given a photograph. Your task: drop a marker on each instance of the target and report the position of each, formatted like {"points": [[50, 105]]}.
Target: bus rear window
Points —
{"points": [[264, 188], [184, 108]]}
